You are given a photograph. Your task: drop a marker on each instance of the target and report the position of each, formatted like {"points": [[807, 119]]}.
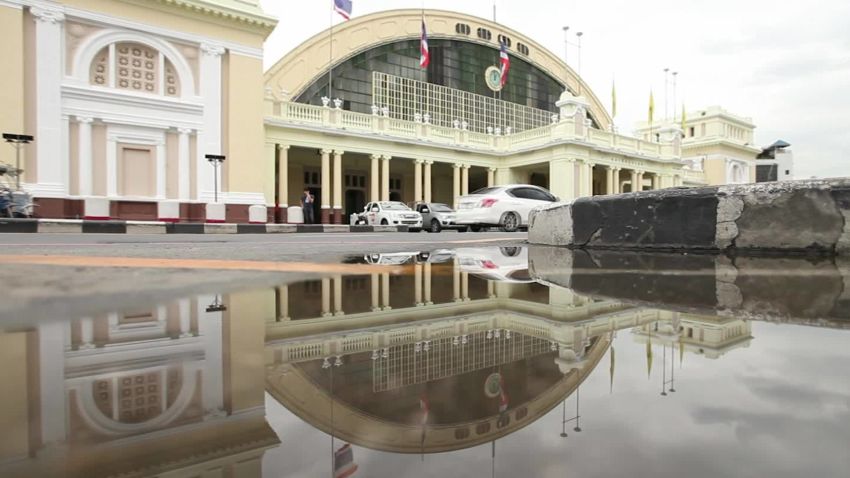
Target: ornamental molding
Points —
{"points": [[212, 50], [46, 15], [256, 20]]}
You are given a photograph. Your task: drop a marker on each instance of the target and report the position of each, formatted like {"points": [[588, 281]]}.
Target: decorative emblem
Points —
{"points": [[493, 385], [493, 77]]}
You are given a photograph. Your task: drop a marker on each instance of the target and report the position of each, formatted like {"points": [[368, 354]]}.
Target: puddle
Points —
{"points": [[471, 362]]}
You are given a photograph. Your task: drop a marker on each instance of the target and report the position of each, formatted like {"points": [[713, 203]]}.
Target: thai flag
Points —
{"points": [[343, 7], [503, 397], [344, 465], [425, 59], [505, 62], [425, 406]]}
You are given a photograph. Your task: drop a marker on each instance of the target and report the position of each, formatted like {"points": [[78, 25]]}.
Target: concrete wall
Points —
{"points": [[784, 217]]}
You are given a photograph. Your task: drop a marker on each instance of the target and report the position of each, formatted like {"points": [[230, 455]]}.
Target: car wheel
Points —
{"points": [[475, 228], [384, 222], [510, 222], [435, 226]]}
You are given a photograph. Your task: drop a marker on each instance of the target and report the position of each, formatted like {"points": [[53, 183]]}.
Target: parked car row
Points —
{"points": [[506, 207], [502, 264]]}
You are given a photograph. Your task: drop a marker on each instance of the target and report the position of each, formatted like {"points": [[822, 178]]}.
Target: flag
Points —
{"points": [[503, 396], [425, 58], [343, 7], [651, 106], [613, 100], [425, 406], [344, 465], [684, 118], [611, 369], [505, 63], [649, 357]]}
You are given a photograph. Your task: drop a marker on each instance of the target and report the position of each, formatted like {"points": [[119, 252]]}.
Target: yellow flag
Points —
{"points": [[649, 357], [651, 106], [684, 117], [613, 100]]}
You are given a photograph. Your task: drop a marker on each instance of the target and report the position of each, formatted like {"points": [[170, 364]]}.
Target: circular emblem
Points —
{"points": [[493, 77], [493, 385]]}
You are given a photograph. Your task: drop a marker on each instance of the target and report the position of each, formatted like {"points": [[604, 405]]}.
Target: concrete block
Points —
{"points": [[551, 225], [382, 228], [60, 226], [336, 228], [216, 212], [251, 228], [96, 209], [257, 214], [220, 228], [281, 228], [140, 227], [295, 215], [168, 211]]}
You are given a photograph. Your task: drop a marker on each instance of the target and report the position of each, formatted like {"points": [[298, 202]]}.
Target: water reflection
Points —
{"points": [[485, 349]]}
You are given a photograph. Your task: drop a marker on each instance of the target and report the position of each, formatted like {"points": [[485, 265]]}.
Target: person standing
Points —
{"points": [[307, 200]]}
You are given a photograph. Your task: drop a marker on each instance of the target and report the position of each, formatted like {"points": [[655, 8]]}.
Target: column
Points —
{"points": [[84, 156], [656, 181], [338, 295], [640, 181], [283, 303], [417, 180], [428, 180], [634, 180], [112, 164], [455, 183], [491, 177], [456, 281], [326, 297], [385, 289], [562, 178], [183, 166], [375, 179], [609, 180], [209, 136], [337, 199], [464, 286], [283, 180], [427, 284], [491, 289], [588, 178], [417, 284], [385, 178], [210, 331], [184, 311], [375, 283], [86, 333], [464, 181], [617, 187], [51, 383], [161, 168], [326, 186], [49, 43]]}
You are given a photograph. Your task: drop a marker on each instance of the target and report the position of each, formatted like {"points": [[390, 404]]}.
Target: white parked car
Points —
{"points": [[499, 264], [388, 213], [503, 206]]}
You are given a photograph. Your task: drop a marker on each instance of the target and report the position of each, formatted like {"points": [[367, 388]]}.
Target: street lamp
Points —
{"points": [[215, 160], [17, 141], [217, 305]]}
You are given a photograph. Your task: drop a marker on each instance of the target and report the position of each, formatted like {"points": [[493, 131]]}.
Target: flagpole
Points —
{"points": [[331, 58]]}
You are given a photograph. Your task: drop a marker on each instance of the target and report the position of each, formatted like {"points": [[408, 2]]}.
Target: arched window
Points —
{"points": [[135, 67]]}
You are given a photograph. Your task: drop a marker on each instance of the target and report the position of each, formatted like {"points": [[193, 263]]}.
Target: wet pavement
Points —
{"points": [[472, 361]]}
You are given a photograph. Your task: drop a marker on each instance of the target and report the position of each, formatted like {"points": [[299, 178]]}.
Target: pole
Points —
{"points": [[331, 59], [675, 74], [566, 45], [666, 81], [579, 35], [18, 147], [215, 179], [494, 11]]}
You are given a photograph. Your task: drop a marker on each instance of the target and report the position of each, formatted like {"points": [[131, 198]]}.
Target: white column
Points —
{"points": [[634, 180], [283, 303], [209, 137], [385, 178], [86, 333], [48, 102], [184, 312], [51, 382], [617, 189], [456, 281], [427, 284], [84, 156], [464, 180], [375, 179], [184, 181], [338, 295], [210, 330], [326, 297], [337, 202], [417, 180], [639, 181], [385, 286], [161, 168], [464, 286], [375, 284], [111, 165], [326, 180], [491, 177], [283, 175], [562, 179], [428, 180], [417, 284], [455, 183]]}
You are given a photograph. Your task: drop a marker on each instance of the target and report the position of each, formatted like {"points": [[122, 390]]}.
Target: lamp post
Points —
{"points": [[215, 160], [17, 141], [566, 44]]}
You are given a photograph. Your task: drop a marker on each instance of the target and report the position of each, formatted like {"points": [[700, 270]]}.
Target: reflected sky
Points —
{"points": [[457, 363]]}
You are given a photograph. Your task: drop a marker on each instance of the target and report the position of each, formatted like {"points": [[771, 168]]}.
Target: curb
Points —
{"points": [[76, 226]]}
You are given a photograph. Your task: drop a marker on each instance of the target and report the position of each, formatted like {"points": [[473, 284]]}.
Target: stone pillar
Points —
{"points": [[464, 286], [491, 177], [656, 181], [464, 180], [417, 180], [326, 297], [209, 136], [417, 284], [84, 156], [455, 183], [51, 384], [49, 172], [375, 179], [86, 333], [640, 181], [428, 180], [456, 281], [609, 180], [634, 180], [326, 186], [491, 289], [375, 284], [161, 169], [385, 289], [184, 166], [562, 179], [283, 181], [618, 189], [385, 178], [338, 295], [283, 303], [184, 315], [589, 180], [112, 165], [337, 199], [427, 284]]}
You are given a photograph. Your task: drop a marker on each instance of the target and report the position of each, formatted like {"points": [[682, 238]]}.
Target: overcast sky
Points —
{"points": [[786, 65]]}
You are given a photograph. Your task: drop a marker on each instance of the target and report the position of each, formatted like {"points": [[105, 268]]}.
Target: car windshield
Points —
{"points": [[394, 206], [441, 208], [486, 190]]}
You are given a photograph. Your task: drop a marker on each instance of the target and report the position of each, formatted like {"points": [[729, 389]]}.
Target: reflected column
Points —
{"points": [[183, 313], [326, 297], [464, 286], [385, 289], [338, 296], [376, 292], [283, 303], [427, 287], [86, 333], [456, 281], [417, 277]]}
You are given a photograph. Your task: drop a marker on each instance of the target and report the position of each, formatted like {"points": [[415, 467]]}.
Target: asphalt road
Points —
{"points": [[49, 276]]}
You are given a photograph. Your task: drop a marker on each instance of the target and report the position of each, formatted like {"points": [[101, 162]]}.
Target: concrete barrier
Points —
{"points": [[257, 214], [96, 209], [783, 217], [168, 211], [216, 212]]}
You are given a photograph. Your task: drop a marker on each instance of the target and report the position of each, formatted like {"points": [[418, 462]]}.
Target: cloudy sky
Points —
{"points": [[785, 65]]}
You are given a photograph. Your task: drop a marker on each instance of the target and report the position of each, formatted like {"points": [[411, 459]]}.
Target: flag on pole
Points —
{"points": [[651, 106], [343, 7], [613, 99], [503, 396], [684, 118], [344, 465], [425, 406], [505, 63], [649, 357], [425, 58]]}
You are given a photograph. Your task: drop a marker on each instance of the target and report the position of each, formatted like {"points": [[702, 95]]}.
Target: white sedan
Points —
{"points": [[388, 213], [503, 206]]}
